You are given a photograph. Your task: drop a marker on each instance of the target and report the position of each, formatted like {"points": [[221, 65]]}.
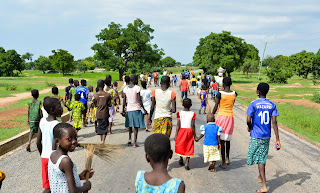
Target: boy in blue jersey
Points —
{"points": [[84, 92], [260, 114]]}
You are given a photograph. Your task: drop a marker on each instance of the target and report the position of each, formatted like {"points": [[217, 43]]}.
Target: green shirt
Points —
{"points": [[34, 111]]}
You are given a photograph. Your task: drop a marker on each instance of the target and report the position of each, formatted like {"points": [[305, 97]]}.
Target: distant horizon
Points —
{"points": [[38, 26]]}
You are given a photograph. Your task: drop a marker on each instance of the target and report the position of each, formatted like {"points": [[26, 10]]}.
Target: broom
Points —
{"points": [[104, 151], [88, 159]]}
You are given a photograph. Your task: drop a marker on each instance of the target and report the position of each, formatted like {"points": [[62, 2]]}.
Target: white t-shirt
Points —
{"points": [[46, 128], [186, 118], [131, 94], [141, 76], [163, 102], [44, 112], [165, 73]]}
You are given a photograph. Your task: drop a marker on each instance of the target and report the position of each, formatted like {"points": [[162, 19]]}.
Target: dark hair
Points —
{"points": [[227, 81], [97, 89], [200, 73], [45, 98], [127, 79], [58, 129], [107, 82], [50, 103], [203, 87], [100, 83], [115, 83], [77, 97], [144, 84], [183, 77], [263, 88], [165, 80], [70, 80], [35, 93], [134, 77], [83, 82], [198, 79], [75, 81], [109, 77], [55, 90], [186, 103], [90, 88], [157, 146]]}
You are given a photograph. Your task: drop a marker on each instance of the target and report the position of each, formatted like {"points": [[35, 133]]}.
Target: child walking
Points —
{"points": [[84, 92], [225, 100], [260, 114], [109, 89], [175, 80], [63, 176], [163, 103], [72, 92], [146, 96], [212, 144], [34, 115], [185, 133], [77, 107], [89, 103], [117, 97], [102, 101], [134, 116], [214, 88], [158, 152], [45, 143], [204, 99]]}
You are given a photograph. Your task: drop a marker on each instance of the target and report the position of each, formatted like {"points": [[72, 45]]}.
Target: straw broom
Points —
{"points": [[104, 151], [88, 158]]}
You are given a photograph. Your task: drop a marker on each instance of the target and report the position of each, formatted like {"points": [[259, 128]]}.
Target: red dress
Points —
{"points": [[184, 143]]}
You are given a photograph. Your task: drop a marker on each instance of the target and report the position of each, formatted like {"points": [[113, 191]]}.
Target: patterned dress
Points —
{"points": [[34, 115], [171, 186], [77, 108]]}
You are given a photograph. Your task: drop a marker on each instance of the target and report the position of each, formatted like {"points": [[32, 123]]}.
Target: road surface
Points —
{"points": [[295, 168]]}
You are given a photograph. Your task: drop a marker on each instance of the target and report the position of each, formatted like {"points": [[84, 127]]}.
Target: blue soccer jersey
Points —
{"points": [[83, 91], [261, 111]]}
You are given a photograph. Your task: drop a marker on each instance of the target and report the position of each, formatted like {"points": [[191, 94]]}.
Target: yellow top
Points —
{"points": [[226, 103]]}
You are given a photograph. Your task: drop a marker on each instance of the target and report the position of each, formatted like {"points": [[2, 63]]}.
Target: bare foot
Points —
{"points": [[223, 165], [213, 170], [262, 190], [135, 145], [259, 179], [109, 133], [227, 161]]}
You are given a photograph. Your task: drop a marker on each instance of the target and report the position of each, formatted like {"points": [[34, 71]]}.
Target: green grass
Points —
{"points": [[6, 133], [303, 120]]}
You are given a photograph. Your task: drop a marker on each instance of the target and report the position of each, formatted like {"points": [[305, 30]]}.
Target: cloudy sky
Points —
{"points": [[39, 26]]}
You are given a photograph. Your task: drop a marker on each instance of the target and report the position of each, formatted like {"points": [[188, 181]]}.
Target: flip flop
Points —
{"points": [[260, 191], [129, 143], [222, 166], [181, 162], [187, 167]]}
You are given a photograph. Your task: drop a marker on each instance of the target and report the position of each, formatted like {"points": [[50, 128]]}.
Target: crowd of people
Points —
{"points": [[145, 108]]}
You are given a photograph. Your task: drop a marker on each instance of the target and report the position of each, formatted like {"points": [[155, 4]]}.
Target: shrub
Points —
{"points": [[29, 88], [49, 84], [316, 97], [11, 87]]}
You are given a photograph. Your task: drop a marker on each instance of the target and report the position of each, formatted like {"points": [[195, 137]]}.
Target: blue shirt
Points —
{"points": [[199, 83], [210, 132], [83, 91], [261, 111]]}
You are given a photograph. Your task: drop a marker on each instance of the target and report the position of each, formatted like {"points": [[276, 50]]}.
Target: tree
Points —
{"points": [[10, 60], [279, 70], [217, 50], [43, 63], [250, 66], [118, 47], [62, 60], [168, 62], [316, 65], [28, 56], [302, 63], [267, 61]]}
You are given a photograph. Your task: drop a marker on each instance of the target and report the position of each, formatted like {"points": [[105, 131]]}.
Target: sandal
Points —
{"points": [[222, 166], [187, 167], [181, 162]]}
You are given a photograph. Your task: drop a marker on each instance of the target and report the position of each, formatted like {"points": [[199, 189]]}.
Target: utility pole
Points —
{"points": [[265, 45]]}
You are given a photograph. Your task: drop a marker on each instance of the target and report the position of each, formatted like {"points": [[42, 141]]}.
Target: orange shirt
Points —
{"points": [[184, 85], [226, 103]]}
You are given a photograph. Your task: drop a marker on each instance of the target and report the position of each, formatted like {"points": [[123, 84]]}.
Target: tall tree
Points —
{"points": [[28, 56], [10, 60], [302, 63], [168, 62], [279, 70], [119, 46], [217, 50], [250, 66], [43, 63], [316, 65], [62, 60]]}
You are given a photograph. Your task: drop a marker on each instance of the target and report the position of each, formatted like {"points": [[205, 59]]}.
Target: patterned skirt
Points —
{"points": [[185, 143], [227, 124], [211, 153], [162, 125], [258, 151]]}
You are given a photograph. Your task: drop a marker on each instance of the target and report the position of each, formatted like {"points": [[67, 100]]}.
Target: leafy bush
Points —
{"points": [[49, 84], [279, 71], [11, 87], [316, 97], [29, 88]]}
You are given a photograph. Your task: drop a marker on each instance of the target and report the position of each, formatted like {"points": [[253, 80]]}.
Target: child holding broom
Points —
{"points": [[63, 176]]}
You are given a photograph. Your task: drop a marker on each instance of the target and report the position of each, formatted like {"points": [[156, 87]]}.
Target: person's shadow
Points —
{"points": [[280, 180]]}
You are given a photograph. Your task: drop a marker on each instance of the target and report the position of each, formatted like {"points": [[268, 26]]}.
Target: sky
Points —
{"points": [[40, 26]]}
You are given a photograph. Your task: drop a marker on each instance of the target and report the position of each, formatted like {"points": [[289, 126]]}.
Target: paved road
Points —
{"points": [[295, 168]]}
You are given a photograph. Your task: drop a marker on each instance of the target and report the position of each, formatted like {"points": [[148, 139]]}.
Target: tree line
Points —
{"points": [[231, 53]]}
